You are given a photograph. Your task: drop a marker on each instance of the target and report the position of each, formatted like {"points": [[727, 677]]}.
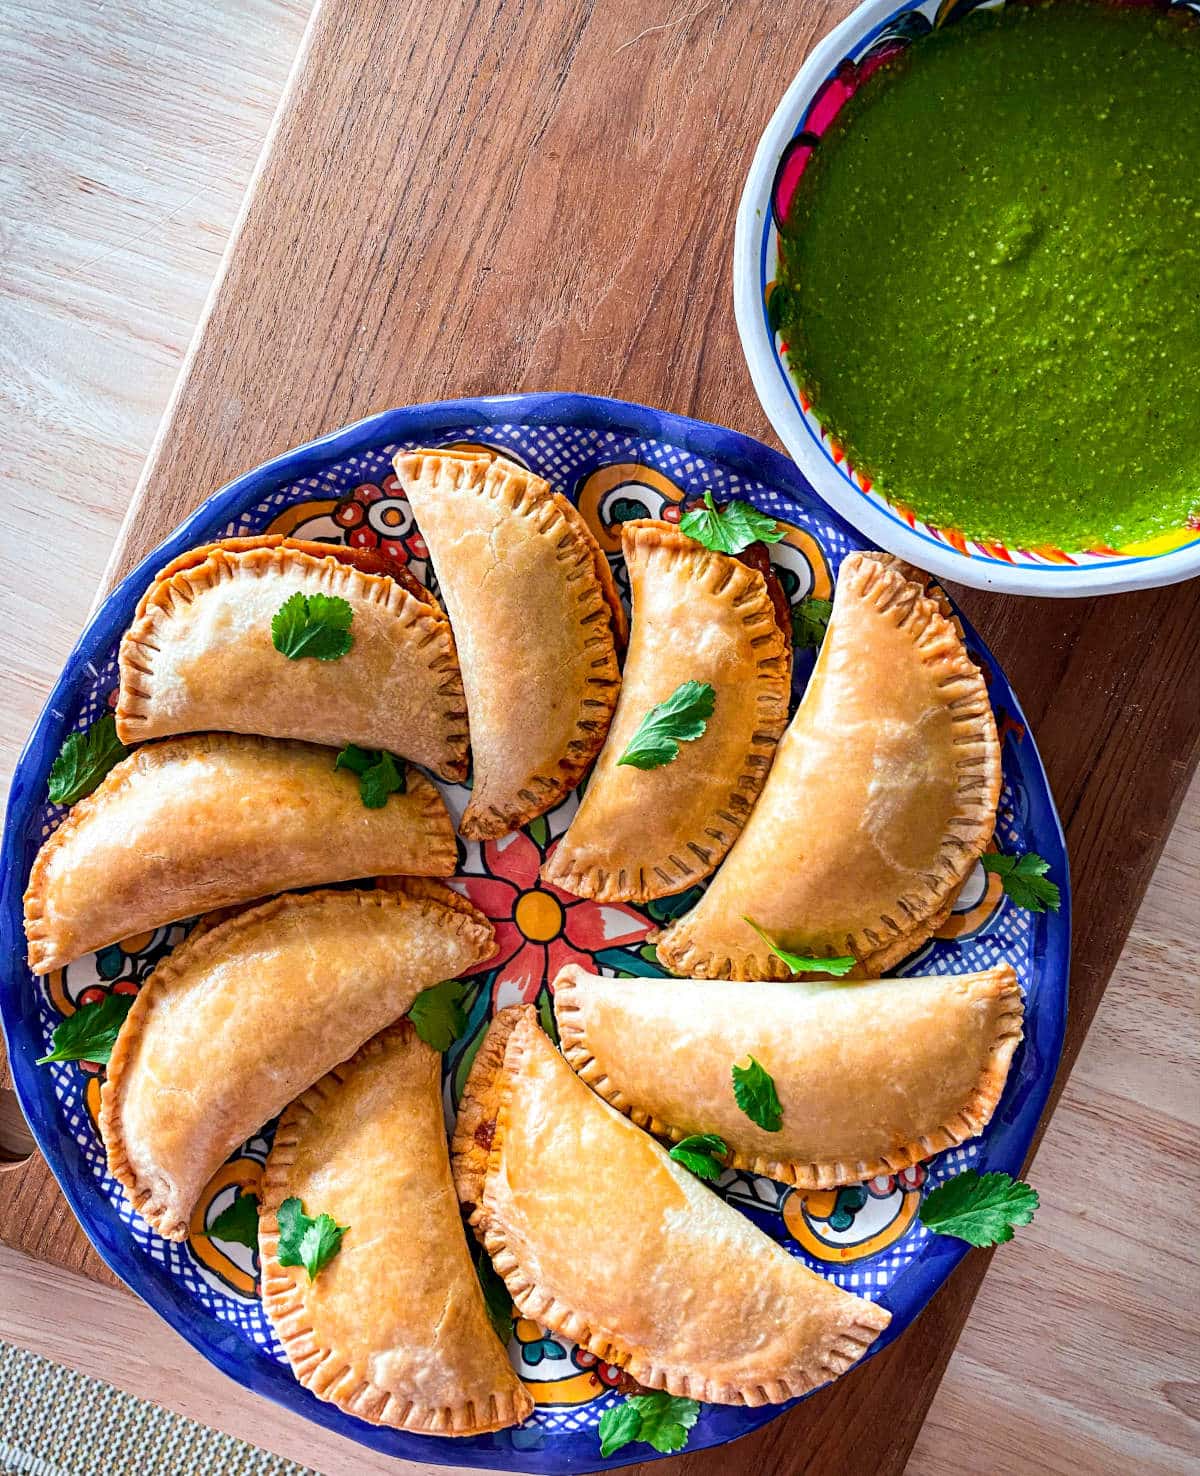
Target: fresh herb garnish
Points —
{"points": [[754, 1092], [731, 528], [379, 773], [237, 1222], [810, 620], [313, 625], [801, 965], [700, 1153], [496, 1296], [307, 1242], [1024, 879], [980, 1209], [91, 1032], [661, 1420], [437, 1013], [680, 718], [83, 761]]}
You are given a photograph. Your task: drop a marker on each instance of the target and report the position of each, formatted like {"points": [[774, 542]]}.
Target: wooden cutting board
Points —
{"points": [[496, 196]]}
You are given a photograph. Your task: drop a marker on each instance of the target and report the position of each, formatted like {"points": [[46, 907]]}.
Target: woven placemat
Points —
{"points": [[55, 1422]]}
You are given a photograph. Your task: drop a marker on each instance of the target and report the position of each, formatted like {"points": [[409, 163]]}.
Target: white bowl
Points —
{"points": [[873, 28]]}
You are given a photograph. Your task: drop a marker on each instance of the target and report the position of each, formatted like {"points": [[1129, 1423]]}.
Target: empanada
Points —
{"points": [[189, 824], [872, 1077], [199, 655], [699, 616], [240, 1019], [600, 1236], [881, 799], [393, 1329], [534, 610]]}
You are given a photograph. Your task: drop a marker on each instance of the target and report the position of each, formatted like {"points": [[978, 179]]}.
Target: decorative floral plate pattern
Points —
{"points": [[865, 41], [616, 461]]}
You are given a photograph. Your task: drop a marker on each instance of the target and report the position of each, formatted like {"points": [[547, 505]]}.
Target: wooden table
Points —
{"points": [[506, 228]]}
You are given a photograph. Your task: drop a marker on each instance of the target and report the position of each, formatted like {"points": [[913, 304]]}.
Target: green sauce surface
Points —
{"points": [[991, 275]]}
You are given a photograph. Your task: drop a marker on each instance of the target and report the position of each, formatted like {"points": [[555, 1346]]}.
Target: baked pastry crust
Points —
{"points": [[640, 834], [600, 1236], [189, 824], [199, 656], [287, 989], [394, 1328], [872, 1077], [534, 620], [882, 797]]}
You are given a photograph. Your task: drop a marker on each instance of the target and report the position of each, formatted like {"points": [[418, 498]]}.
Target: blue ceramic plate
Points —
{"points": [[616, 461]]}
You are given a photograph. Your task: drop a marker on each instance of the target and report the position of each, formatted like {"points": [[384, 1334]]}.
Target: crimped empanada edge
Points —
{"points": [[321, 1368], [482, 1115], [527, 495], [968, 1122], [887, 940], [182, 583], [698, 855], [200, 949], [44, 956]]}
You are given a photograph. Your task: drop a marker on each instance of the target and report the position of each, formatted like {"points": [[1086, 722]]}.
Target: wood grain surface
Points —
{"points": [[504, 197]]}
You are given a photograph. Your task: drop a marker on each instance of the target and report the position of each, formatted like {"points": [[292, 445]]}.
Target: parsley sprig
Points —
{"points": [[980, 1209], [810, 620], [754, 1092], [701, 1152], [1024, 879], [306, 1242], [91, 1032], [659, 1419], [237, 1223], [437, 1013], [496, 1297], [313, 625], [680, 718], [799, 964], [379, 773], [84, 759], [731, 528]]}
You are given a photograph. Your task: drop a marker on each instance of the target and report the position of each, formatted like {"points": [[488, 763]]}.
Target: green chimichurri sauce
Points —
{"points": [[992, 275]]}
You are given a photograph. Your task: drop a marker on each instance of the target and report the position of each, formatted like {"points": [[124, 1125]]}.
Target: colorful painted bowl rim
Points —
{"points": [[221, 1345], [870, 514]]}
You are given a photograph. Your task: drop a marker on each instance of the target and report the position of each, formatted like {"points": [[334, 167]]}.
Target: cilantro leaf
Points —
{"points": [[661, 1420], [754, 1092], [981, 1210], [437, 1013], [83, 761], [681, 718], [810, 620], [496, 1296], [313, 625], [619, 1426], [801, 965], [379, 773], [237, 1222], [666, 1419], [731, 528], [91, 1032], [307, 1242], [1024, 879], [700, 1152]]}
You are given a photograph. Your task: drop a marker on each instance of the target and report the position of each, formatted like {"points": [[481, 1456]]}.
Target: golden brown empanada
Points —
{"points": [[600, 1236], [240, 1019], [190, 824], [881, 799], [393, 1329], [872, 1077], [534, 620], [698, 616], [199, 655]]}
